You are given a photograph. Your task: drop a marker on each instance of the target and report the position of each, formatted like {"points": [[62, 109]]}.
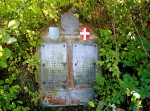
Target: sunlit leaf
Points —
{"points": [[108, 65], [13, 105], [5, 37], [105, 33], [16, 86], [133, 99], [8, 81], [27, 108], [6, 52], [20, 102], [139, 103], [1, 35], [1, 49], [1, 54], [26, 89], [3, 64], [14, 24], [91, 103]]}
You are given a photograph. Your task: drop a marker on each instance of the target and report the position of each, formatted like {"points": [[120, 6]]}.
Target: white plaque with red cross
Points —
{"points": [[85, 33]]}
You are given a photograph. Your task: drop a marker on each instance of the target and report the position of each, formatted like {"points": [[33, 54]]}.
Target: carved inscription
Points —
{"points": [[84, 63], [53, 66]]}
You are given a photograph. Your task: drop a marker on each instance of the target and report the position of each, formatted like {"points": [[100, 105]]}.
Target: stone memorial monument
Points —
{"points": [[68, 65]]}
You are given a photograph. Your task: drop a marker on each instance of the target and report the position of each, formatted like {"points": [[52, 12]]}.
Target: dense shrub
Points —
{"points": [[125, 55]]}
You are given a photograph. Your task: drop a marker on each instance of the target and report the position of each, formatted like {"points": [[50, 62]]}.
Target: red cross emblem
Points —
{"points": [[85, 33]]}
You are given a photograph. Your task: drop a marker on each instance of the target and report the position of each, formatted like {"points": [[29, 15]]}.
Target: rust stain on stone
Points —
{"points": [[56, 100], [82, 86], [43, 98], [69, 73], [53, 100], [75, 101]]}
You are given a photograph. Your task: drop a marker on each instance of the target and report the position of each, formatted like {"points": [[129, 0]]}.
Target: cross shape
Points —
{"points": [[84, 33]]}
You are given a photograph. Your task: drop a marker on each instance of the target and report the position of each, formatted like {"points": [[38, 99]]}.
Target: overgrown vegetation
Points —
{"points": [[124, 45], [125, 56], [20, 21]]}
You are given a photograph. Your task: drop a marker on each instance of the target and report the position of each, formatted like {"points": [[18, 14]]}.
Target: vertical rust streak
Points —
{"points": [[69, 73], [70, 63]]}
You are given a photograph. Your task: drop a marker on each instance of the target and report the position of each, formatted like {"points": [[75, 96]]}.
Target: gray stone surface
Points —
{"points": [[85, 57], [53, 66], [69, 23]]}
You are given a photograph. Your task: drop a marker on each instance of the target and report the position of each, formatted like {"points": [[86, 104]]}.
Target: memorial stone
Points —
{"points": [[68, 65]]}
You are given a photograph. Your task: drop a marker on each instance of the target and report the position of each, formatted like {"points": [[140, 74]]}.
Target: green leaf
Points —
{"points": [[139, 103], [147, 81], [16, 86], [3, 64], [91, 103], [100, 63], [146, 44], [126, 76], [102, 50], [6, 53], [13, 78], [144, 73], [1, 82], [127, 63], [147, 31], [27, 108], [8, 81], [20, 102], [33, 43], [5, 37], [147, 87], [100, 79], [13, 24], [100, 105], [26, 89], [144, 93], [108, 65], [63, 2], [105, 33], [133, 99], [13, 105], [145, 61], [11, 90]]}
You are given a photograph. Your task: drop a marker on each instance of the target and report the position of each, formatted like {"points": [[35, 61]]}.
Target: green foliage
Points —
{"points": [[19, 38], [85, 8], [8, 90], [8, 95], [124, 52]]}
